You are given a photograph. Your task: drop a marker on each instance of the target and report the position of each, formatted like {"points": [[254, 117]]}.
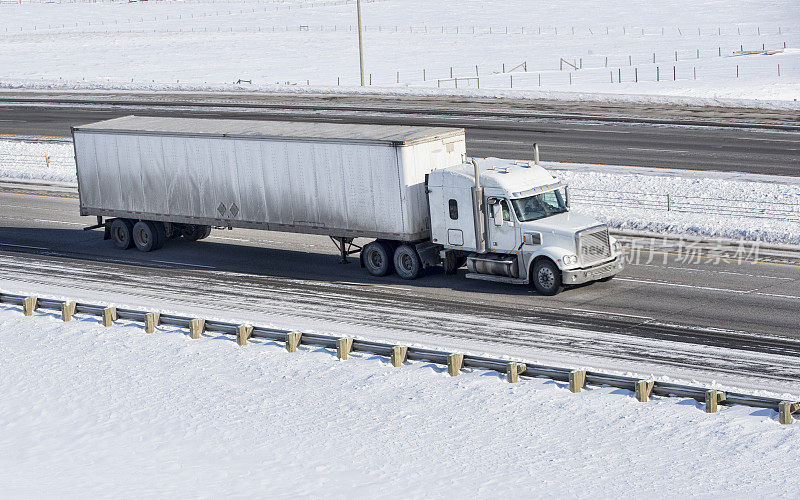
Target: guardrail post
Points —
{"points": [[109, 315], [243, 333], [643, 390], [343, 347], [577, 379], [29, 305], [67, 310], [454, 363], [713, 398], [785, 410], [151, 321], [398, 356], [196, 327], [292, 340], [513, 370]]}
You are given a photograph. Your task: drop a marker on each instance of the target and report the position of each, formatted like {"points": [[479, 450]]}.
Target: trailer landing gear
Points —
{"points": [[346, 247]]}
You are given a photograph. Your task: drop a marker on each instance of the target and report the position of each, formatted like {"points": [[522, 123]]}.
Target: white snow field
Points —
{"points": [[89, 411], [620, 48], [713, 204]]}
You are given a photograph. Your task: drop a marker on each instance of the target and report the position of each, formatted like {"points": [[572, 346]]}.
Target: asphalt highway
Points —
{"points": [[663, 298], [566, 139]]}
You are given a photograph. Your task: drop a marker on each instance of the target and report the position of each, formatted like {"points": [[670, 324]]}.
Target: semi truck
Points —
{"points": [[410, 191]]}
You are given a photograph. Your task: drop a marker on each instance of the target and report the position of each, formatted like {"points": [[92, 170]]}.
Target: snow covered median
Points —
{"points": [[94, 411], [708, 204]]}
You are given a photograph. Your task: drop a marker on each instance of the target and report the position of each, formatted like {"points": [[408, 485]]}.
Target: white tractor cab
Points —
{"points": [[510, 222]]}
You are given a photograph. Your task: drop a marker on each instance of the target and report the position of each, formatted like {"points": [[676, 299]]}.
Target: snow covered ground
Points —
{"points": [[723, 205], [115, 412], [676, 48]]}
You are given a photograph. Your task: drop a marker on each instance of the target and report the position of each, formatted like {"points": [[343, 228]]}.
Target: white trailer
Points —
{"points": [[408, 188]]}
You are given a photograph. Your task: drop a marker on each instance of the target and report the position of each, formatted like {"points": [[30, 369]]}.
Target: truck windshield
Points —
{"points": [[539, 206]]}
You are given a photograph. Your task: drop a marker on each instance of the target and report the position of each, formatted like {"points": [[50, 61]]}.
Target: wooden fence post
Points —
{"points": [[243, 333], [713, 398], [196, 327], [785, 410], [109, 315], [643, 390], [398, 355], [577, 379], [454, 363], [151, 321], [293, 340], [513, 371], [343, 347], [29, 305], [67, 310]]}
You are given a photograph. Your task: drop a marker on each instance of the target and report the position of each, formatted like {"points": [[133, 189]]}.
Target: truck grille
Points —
{"points": [[593, 245]]}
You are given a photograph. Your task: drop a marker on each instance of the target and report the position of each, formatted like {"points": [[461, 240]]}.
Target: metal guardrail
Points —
{"points": [[597, 378]]}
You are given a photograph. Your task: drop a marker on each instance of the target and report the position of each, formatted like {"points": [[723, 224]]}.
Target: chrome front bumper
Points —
{"points": [[596, 272]]}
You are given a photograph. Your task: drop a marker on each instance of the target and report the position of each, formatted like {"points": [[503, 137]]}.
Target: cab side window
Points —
{"points": [[506, 211], [453, 209]]}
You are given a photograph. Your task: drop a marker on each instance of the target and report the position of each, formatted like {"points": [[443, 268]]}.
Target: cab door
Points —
{"points": [[502, 227]]}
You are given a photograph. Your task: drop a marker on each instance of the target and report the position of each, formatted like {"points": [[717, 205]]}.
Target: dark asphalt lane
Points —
{"points": [[658, 287], [695, 148]]}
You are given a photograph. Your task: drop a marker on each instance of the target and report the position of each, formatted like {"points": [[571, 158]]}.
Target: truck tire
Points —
{"points": [[122, 233], [407, 263], [195, 232], [450, 263], [161, 233], [377, 258], [546, 277], [145, 235]]}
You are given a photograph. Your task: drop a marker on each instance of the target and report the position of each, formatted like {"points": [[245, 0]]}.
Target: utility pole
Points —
{"points": [[360, 43]]}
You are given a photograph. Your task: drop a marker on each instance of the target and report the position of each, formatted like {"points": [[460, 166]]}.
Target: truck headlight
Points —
{"points": [[570, 259], [617, 247]]}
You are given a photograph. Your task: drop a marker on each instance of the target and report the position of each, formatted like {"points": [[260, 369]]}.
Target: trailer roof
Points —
{"points": [[393, 134]]}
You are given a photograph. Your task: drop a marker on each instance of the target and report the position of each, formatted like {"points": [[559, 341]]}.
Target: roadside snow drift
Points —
{"points": [[89, 411]]}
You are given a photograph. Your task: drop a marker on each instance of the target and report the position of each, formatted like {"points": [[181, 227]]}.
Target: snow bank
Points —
{"points": [[93, 411]]}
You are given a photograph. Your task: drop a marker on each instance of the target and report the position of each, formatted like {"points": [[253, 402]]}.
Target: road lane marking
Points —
{"points": [[710, 288], [726, 259], [606, 313], [371, 285], [23, 246], [182, 264], [657, 150], [712, 271]]}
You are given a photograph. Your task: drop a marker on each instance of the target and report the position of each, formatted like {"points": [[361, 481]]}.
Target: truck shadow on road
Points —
{"points": [[308, 258]]}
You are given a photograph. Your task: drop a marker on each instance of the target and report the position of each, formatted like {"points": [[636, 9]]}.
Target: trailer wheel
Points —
{"points": [[122, 233], [407, 263], [195, 232], [377, 258], [145, 236], [161, 233], [546, 277]]}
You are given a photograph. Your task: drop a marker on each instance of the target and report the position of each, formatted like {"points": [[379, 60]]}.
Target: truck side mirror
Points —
{"points": [[497, 214]]}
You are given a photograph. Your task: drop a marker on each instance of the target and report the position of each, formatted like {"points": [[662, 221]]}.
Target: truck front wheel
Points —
{"points": [[377, 258], [121, 233], [407, 263], [546, 277]]}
